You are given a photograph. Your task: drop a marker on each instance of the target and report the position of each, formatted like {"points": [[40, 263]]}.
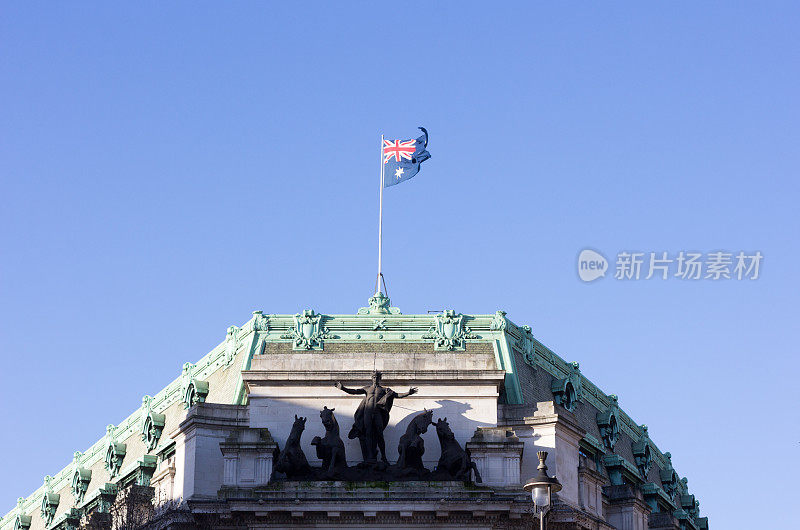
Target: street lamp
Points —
{"points": [[542, 487]]}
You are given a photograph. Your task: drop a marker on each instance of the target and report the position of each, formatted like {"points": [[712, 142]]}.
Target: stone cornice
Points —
{"points": [[253, 377]]}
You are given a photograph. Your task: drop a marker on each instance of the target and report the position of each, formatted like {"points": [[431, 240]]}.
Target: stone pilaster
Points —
{"points": [[554, 429], [198, 460], [497, 453], [590, 487], [626, 508], [248, 455]]}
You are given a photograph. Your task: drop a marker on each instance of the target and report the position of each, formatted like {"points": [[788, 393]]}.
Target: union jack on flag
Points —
{"points": [[398, 150], [402, 158]]}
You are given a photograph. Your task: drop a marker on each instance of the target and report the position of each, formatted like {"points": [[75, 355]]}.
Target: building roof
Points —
{"points": [[377, 326]]}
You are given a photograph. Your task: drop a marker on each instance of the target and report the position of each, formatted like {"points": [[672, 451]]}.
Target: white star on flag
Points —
{"points": [[399, 173]]}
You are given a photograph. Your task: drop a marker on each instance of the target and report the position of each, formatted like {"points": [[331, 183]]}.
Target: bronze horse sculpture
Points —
{"points": [[292, 460], [411, 446], [455, 461], [330, 448]]}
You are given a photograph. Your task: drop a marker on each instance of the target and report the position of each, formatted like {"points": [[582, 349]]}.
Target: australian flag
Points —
{"points": [[402, 158]]}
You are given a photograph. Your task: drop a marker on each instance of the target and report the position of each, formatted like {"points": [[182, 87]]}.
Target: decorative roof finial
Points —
{"points": [[379, 304]]}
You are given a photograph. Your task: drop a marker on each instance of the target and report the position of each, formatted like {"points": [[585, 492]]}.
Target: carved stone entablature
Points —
{"points": [[608, 424], [669, 478], [194, 391], [260, 321], [568, 391], [21, 521], [152, 424], [525, 344], [115, 453], [449, 331], [80, 478], [308, 332], [642, 453], [499, 321], [379, 304], [50, 501]]}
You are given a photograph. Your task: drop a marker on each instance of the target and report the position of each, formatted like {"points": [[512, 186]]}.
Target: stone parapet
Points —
{"points": [[497, 453], [370, 504], [248, 456]]}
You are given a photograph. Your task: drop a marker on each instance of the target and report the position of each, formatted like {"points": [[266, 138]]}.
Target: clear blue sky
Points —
{"points": [[166, 168]]}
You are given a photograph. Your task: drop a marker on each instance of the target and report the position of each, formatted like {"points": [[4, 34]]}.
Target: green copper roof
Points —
{"points": [[309, 330]]}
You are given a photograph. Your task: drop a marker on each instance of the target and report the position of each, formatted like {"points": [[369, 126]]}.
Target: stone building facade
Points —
{"points": [[207, 446]]}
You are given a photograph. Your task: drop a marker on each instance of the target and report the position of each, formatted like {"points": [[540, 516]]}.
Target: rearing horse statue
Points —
{"points": [[412, 446], [330, 449], [455, 461], [292, 461]]}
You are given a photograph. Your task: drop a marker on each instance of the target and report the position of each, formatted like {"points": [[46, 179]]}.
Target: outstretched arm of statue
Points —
{"points": [[340, 386], [412, 390]]}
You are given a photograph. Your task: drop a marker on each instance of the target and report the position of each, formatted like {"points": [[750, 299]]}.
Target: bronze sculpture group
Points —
{"points": [[369, 422]]}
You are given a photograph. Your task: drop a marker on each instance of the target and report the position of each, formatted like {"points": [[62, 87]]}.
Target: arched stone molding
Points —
{"points": [[152, 424], [50, 501], [608, 423], [669, 478], [81, 477], [21, 521], [115, 453], [642, 454], [568, 391], [231, 344], [194, 391], [525, 344]]}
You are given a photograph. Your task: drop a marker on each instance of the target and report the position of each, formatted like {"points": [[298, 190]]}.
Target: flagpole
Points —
{"points": [[380, 224]]}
